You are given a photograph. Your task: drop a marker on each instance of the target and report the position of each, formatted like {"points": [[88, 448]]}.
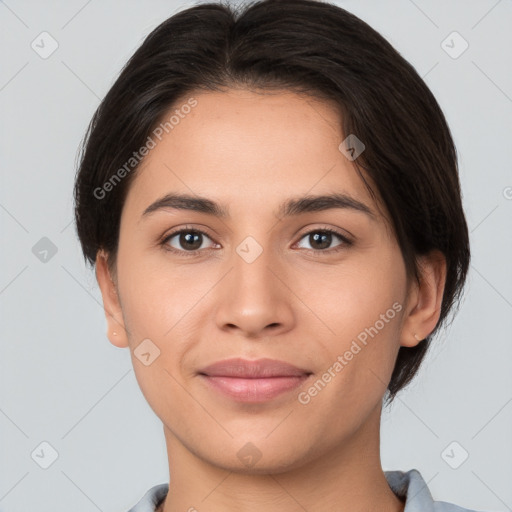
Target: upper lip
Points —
{"points": [[259, 368]]}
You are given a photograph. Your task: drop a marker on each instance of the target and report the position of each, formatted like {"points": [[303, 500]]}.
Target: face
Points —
{"points": [[320, 285]]}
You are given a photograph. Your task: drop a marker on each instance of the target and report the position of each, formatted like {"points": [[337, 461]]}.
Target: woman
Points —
{"points": [[271, 201]]}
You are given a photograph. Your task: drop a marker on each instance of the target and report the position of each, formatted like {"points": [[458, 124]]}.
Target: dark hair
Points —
{"points": [[308, 47]]}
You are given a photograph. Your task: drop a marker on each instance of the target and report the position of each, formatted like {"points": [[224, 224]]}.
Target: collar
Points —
{"points": [[407, 485]]}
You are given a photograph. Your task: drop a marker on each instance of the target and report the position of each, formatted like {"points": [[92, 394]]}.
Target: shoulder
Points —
{"points": [[150, 501], [443, 506], [410, 486]]}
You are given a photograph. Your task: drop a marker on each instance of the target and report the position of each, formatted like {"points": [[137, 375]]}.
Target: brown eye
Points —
{"points": [[322, 239], [190, 241], [185, 240]]}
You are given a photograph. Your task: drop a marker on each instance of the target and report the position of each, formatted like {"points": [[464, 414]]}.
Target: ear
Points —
{"points": [[425, 298], [111, 303]]}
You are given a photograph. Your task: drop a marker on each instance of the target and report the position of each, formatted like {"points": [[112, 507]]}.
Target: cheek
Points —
{"points": [[154, 299], [352, 296], [360, 305], [157, 307], [162, 303], [359, 354]]}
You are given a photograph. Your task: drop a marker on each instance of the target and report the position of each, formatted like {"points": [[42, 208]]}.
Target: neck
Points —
{"points": [[347, 478]]}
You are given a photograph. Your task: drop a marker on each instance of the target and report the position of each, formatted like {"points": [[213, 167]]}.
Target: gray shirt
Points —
{"points": [[408, 485]]}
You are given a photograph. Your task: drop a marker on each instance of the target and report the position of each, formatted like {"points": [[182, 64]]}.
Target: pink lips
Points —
{"points": [[253, 381]]}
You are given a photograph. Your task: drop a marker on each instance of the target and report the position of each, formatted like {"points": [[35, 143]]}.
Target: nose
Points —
{"points": [[254, 299]]}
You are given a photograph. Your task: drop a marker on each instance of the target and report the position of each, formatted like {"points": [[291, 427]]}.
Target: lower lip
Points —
{"points": [[254, 390]]}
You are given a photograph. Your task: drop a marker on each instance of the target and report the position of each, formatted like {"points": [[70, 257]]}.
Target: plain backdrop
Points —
{"points": [[64, 385]]}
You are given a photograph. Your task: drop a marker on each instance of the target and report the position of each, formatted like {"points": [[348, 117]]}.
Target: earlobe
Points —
{"points": [[425, 308], [116, 331]]}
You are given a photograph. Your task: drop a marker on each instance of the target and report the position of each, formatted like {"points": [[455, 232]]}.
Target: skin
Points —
{"points": [[296, 302]]}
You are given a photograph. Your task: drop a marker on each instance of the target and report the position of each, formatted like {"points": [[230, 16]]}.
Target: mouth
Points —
{"points": [[253, 381]]}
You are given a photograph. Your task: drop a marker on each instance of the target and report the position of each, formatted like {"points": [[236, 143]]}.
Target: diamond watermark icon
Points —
{"points": [[44, 250], [249, 249], [44, 45], [44, 455], [454, 45], [454, 455], [249, 455], [146, 352], [351, 147]]}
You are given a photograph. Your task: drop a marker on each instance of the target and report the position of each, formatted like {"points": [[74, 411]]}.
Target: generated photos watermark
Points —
{"points": [[305, 397], [137, 156]]}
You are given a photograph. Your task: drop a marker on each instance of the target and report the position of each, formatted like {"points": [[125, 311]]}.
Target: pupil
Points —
{"points": [[187, 240], [322, 240]]}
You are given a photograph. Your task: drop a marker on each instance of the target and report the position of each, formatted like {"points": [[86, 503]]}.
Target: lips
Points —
{"points": [[253, 381], [246, 369]]}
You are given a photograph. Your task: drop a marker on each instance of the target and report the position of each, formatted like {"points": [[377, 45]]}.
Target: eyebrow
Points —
{"points": [[291, 207]]}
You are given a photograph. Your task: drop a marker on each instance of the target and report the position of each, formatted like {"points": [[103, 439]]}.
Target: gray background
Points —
{"points": [[63, 383]]}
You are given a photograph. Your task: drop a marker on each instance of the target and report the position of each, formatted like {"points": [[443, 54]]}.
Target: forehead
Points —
{"points": [[247, 149]]}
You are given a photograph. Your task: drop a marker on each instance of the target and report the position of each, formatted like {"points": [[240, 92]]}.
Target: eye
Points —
{"points": [[321, 240], [185, 240]]}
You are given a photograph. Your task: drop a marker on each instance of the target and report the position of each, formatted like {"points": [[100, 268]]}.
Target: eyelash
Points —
{"points": [[344, 245]]}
